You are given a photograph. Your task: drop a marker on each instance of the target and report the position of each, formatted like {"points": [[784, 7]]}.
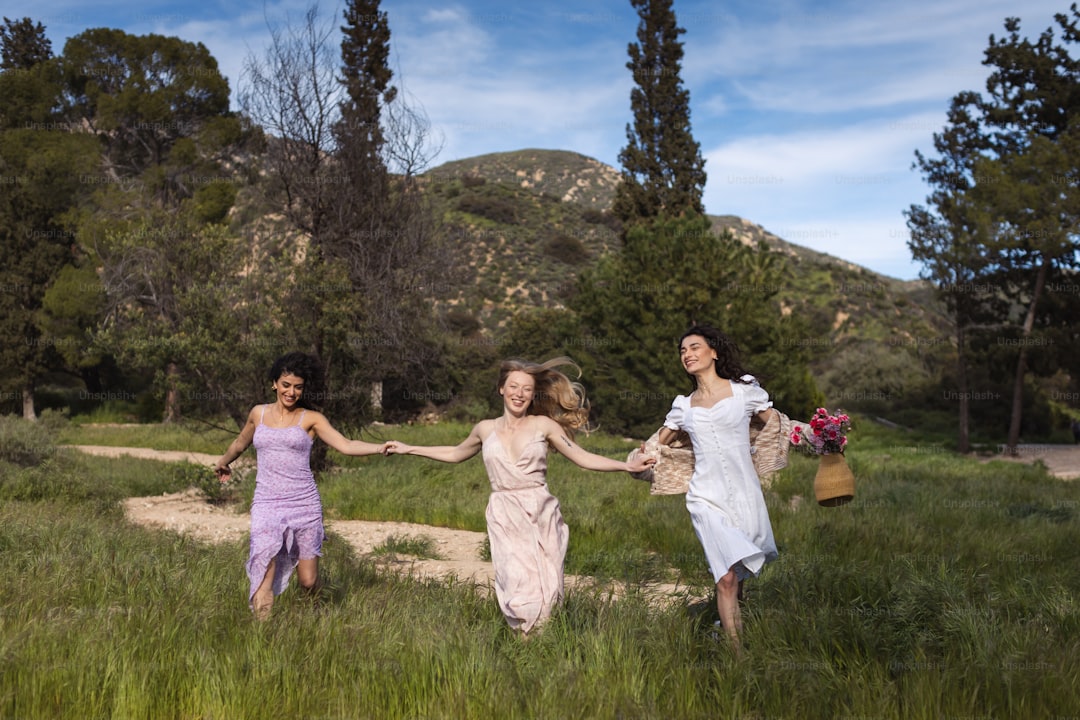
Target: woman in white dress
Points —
{"points": [[725, 500]]}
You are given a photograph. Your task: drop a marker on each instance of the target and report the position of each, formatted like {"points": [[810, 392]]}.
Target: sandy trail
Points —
{"points": [[1062, 461], [459, 551]]}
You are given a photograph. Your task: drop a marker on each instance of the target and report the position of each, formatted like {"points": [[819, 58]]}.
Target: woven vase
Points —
{"points": [[834, 484]]}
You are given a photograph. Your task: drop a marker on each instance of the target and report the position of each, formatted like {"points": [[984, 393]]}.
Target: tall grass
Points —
{"points": [[948, 588], [190, 436]]}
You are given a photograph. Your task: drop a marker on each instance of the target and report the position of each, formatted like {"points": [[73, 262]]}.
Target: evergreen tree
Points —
{"points": [[385, 239], [168, 162], [370, 240], [365, 75], [1008, 185], [23, 44], [671, 274], [42, 165], [950, 237], [663, 172]]}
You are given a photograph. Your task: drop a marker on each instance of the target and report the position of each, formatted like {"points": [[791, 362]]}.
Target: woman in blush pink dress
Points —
{"points": [[286, 512], [541, 410], [727, 507]]}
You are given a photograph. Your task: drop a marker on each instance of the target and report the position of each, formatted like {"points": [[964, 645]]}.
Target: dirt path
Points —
{"points": [[459, 551], [189, 513], [147, 453], [1061, 461]]}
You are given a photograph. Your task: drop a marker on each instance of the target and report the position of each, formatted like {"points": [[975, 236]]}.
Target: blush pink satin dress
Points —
{"points": [[527, 534]]}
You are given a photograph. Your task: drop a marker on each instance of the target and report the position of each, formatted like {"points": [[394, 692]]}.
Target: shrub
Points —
{"points": [[213, 201], [492, 208], [602, 217], [567, 249], [419, 546], [25, 443], [470, 181], [206, 480]]}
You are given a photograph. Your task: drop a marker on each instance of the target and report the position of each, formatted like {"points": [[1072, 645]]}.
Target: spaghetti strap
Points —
{"points": [[300, 421], [262, 415]]}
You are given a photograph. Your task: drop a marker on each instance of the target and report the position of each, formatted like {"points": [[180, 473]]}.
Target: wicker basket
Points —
{"points": [[769, 444], [834, 484], [674, 465]]}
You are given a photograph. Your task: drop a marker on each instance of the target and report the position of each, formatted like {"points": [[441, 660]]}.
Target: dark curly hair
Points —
{"points": [[306, 367], [728, 365]]}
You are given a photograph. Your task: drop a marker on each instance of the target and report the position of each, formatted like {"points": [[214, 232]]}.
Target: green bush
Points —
{"points": [[492, 208], [25, 443], [567, 249], [470, 181], [419, 546], [206, 480], [213, 201]]}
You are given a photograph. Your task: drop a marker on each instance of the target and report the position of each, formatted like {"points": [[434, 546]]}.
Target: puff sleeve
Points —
{"points": [[674, 419], [755, 397]]}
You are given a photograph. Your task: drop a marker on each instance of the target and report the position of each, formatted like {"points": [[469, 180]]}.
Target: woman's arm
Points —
{"points": [[339, 442], [666, 436], [573, 452], [443, 453], [236, 448], [763, 416]]}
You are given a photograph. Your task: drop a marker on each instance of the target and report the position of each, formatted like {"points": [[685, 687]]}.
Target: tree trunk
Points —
{"points": [[376, 398], [172, 395], [1021, 362], [28, 402], [963, 441]]}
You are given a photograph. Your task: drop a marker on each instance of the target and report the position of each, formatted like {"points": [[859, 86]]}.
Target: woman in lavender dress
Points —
{"points": [[286, 512]]}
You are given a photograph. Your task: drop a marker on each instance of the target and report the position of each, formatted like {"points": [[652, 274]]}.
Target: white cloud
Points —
{"points": [[871, 56], [838, 190]]}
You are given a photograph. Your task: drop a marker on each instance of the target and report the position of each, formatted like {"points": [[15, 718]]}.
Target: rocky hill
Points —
{"points": [[567, 176], [529, 221]]}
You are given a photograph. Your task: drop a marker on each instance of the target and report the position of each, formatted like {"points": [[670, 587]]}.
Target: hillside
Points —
{"points": [[567, 176], [529, 221]]}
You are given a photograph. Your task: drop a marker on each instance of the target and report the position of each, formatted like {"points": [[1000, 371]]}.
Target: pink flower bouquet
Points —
{"points": [[826, 435]]}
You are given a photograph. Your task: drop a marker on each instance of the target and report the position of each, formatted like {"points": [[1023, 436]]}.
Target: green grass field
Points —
{"points": [[947, 589]]}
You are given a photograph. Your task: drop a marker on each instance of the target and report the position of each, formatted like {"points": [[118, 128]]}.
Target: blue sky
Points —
{"points": [[808, 113]]}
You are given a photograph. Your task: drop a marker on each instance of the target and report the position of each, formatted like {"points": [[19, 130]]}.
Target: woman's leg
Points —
{"points": [[727, 604], [263, 599], [307, 572]]}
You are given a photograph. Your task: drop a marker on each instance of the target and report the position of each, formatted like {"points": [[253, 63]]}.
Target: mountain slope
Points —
{"points": [[520, 217], [527, 223]]}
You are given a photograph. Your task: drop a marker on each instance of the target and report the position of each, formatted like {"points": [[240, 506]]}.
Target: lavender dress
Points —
{"points": [[527, 533], [286, 512]]}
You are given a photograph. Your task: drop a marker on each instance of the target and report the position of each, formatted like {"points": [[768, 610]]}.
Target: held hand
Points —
{"points": [[394, 447], [640, 463], [223, 473]]}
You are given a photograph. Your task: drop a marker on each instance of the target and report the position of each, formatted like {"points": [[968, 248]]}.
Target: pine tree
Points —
{"points": [[23, 44], [663, 172], [365, 50], [384, 238], [1006, 188]]}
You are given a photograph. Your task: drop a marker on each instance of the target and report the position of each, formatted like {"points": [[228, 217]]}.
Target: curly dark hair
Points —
{"points": [[728, 365], [304, 366]]}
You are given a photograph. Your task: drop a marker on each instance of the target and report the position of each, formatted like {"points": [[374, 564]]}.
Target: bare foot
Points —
{"points": [[261, 607]]}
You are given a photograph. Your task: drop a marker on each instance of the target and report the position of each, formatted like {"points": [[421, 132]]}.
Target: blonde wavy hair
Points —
{"points": [[555, 395]]}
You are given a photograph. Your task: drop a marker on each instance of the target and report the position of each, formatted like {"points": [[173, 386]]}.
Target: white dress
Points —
{"points": [[725, 500]]}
